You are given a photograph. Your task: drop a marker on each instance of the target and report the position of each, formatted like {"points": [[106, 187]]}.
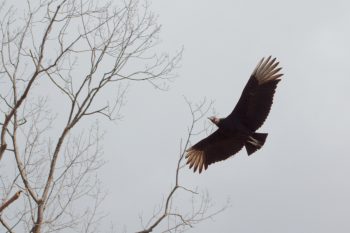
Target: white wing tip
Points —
{"points": [[267, 70], [196, 159]]}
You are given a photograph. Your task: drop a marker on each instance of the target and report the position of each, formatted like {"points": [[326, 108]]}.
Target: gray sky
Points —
{"points": [[298, 182]]}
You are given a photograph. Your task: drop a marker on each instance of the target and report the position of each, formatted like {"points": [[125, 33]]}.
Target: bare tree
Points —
{"points": [[74, 51], [59, 62], [169, 218]]}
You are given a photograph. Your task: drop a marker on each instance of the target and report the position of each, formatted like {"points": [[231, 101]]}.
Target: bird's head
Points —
{"points": [[214, 119]]}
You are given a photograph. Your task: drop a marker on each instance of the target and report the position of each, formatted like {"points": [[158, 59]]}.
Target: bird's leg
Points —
{"points": [[254, 141]]}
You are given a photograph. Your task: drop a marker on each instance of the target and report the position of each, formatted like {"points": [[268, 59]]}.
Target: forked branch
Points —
{"points": [[199, 213]]}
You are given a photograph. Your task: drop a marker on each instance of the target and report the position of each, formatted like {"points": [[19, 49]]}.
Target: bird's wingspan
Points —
{"points": [[214, 148], [256, 99]]}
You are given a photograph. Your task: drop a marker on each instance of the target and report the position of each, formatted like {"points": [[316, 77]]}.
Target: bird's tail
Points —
{"points": [[255, 142]]}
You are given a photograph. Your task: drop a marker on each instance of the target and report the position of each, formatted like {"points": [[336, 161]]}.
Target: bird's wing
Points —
{"points": [[216, 147], [256, 99]]}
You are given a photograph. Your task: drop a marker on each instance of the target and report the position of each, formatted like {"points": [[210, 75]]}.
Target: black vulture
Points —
{"points": [[238, 128]]}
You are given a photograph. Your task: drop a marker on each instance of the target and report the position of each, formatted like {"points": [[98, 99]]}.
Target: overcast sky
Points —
{"points": [[299, 181]]}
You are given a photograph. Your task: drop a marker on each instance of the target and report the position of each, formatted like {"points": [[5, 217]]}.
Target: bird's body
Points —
{"points": [[234, 125], [239, 128]]}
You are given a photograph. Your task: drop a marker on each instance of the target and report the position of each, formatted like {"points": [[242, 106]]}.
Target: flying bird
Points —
{"points": [[239, 128]]}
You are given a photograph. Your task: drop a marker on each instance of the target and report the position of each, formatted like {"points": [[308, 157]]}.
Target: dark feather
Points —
{"points": [[238, 129], [216, 147], [256, 100]]}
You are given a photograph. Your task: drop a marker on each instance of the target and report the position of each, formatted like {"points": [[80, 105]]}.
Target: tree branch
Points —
{"points": [[197, 113], [9, 201]]}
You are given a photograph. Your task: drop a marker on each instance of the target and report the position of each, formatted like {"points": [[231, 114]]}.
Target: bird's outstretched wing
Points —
{"points": [[256, 99], [216, 147]]}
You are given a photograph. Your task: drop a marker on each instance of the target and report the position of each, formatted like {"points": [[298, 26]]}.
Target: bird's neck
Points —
{"points": [[220, 122]]}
